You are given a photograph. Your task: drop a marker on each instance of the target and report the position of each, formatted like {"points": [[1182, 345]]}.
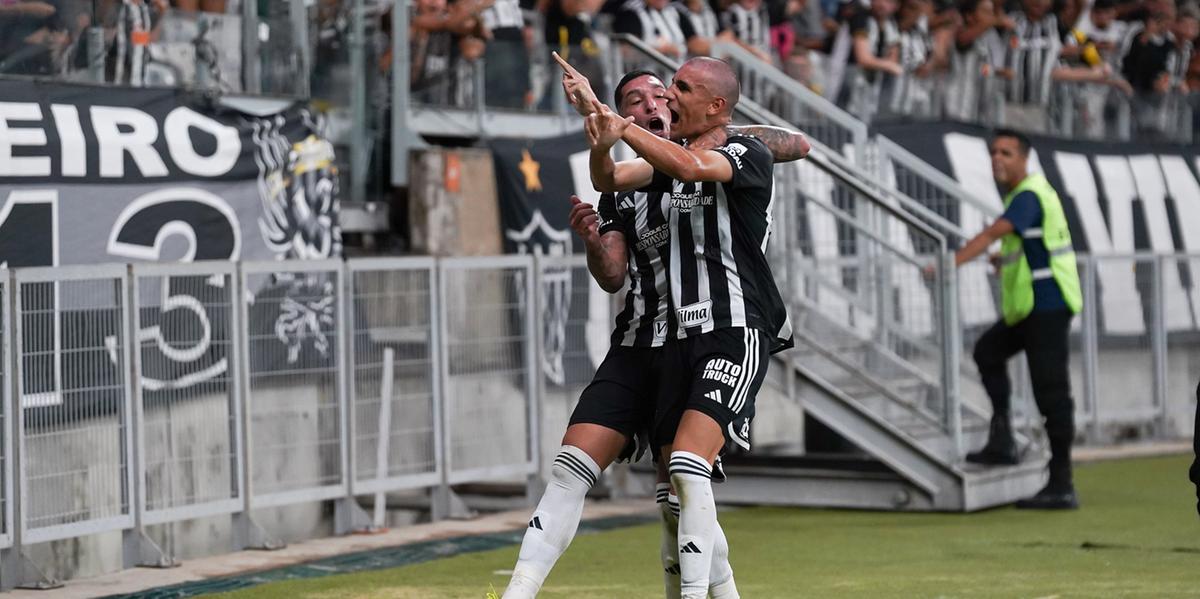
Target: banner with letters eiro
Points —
{"points": [[94, 174]]}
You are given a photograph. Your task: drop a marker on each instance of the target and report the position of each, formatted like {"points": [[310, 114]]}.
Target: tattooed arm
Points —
{"points": [[785, 145]]}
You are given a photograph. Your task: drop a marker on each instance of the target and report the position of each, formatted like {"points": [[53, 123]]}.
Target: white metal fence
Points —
{"points": [[158, 393]]}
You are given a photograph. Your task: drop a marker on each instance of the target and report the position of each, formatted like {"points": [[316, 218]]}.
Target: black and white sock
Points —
{"points": [[554, 522], [691, 477]]}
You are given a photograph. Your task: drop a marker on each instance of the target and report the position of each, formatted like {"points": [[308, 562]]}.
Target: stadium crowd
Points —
{"points": [[1026, 63]]}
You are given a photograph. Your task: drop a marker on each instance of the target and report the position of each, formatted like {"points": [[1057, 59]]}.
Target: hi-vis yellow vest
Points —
{"points": [[1016, 278]]}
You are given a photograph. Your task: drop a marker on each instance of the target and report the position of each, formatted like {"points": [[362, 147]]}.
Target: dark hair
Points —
{"points": [[630, 76], [1104, 4], [1022, 140]]}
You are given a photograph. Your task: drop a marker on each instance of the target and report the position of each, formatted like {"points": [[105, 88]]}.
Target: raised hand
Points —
{"points": [[584, 220], [576, 87], [604, 127]]}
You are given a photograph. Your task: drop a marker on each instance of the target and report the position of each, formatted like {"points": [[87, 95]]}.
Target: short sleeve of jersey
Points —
{"points": [[751, 161], [610, 219], [1024, 212]]}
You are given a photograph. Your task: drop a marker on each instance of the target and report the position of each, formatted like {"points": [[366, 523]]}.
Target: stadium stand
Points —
{"points": [[430, 380]]}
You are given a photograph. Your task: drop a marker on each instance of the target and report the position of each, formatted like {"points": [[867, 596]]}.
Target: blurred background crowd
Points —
{"points": [[1094, 68]]}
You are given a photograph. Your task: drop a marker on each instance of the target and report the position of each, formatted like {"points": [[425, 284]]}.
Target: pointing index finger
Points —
{"points": [[566, 66]]}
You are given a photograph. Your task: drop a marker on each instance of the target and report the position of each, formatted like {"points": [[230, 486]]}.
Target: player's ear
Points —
{"points": [[717, 106]]}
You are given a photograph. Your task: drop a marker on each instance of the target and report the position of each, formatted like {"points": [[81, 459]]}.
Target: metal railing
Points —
{"points": [[158, 393]]}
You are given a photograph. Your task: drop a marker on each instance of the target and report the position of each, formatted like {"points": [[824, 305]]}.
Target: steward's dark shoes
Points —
{"points": [[993, 456], [1051, 499]]}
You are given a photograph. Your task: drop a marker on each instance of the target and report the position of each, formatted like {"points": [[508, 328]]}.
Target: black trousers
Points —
{"points": [[1044, 338]]}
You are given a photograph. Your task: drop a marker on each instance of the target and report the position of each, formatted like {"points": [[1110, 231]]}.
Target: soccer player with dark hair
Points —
{"points": [[625, 233], [727, 314]]}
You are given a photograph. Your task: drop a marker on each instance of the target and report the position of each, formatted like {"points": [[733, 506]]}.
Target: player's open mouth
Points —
{"points": [[674, 117], [655, 125]]}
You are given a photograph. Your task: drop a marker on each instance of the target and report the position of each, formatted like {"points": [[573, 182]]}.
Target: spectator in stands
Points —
{"points": [[780, 32], [813, 28], [1100, 25], [1034, 48], [569, 32], [1185, 30], [137, 25], [977, 66], [913, 92], [750, 24], [434, 31], [661, 25], [704, 22], [32, 37], [1037, 59], [1146, 62], [506, 68], [876, 52]]}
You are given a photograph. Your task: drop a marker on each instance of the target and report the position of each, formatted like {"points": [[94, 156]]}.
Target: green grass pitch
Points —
{"points": [[1137, 535]]}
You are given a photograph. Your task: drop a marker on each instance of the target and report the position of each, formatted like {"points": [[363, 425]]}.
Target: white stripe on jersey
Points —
{"points": [[696, 216], [737, 304], [770, 222]]}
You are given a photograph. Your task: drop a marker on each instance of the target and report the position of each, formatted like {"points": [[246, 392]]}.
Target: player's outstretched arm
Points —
{"points": [[606, 257], [603, 128], [785, 145], [576, 87], [678, 162]]}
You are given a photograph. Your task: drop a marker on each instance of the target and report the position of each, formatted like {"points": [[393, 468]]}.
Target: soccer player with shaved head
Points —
{"points": [[727, 316], [625, 235]]}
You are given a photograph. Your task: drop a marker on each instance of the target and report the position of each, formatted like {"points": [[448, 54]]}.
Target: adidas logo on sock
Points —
{"points": [[673, 570], [536, 523], [689, 548]]}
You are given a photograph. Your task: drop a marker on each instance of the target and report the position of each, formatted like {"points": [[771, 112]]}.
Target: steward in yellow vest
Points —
{"points": [[1040, 295]]}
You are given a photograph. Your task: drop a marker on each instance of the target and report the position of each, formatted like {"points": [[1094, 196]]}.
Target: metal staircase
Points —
{"points": [[878, 345]]}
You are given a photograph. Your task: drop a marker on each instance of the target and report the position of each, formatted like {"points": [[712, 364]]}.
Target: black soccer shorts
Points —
{"points": [[717, 373], [622, 395]]}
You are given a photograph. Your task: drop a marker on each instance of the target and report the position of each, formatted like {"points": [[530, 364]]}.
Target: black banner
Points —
{"points": [[1119, 198], [94, 175], [535, 180]]}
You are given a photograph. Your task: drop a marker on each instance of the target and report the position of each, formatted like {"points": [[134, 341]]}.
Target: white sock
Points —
{"points": [[554, 522], [669, 549], [720, 577], [691, 476]]}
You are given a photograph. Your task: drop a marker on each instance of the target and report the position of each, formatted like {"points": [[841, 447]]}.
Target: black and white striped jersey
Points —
{"points": [[504, 18], [717, 264], [1033, 53], [652, 25], [751, 26], [642, 217], [704, 21]]}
